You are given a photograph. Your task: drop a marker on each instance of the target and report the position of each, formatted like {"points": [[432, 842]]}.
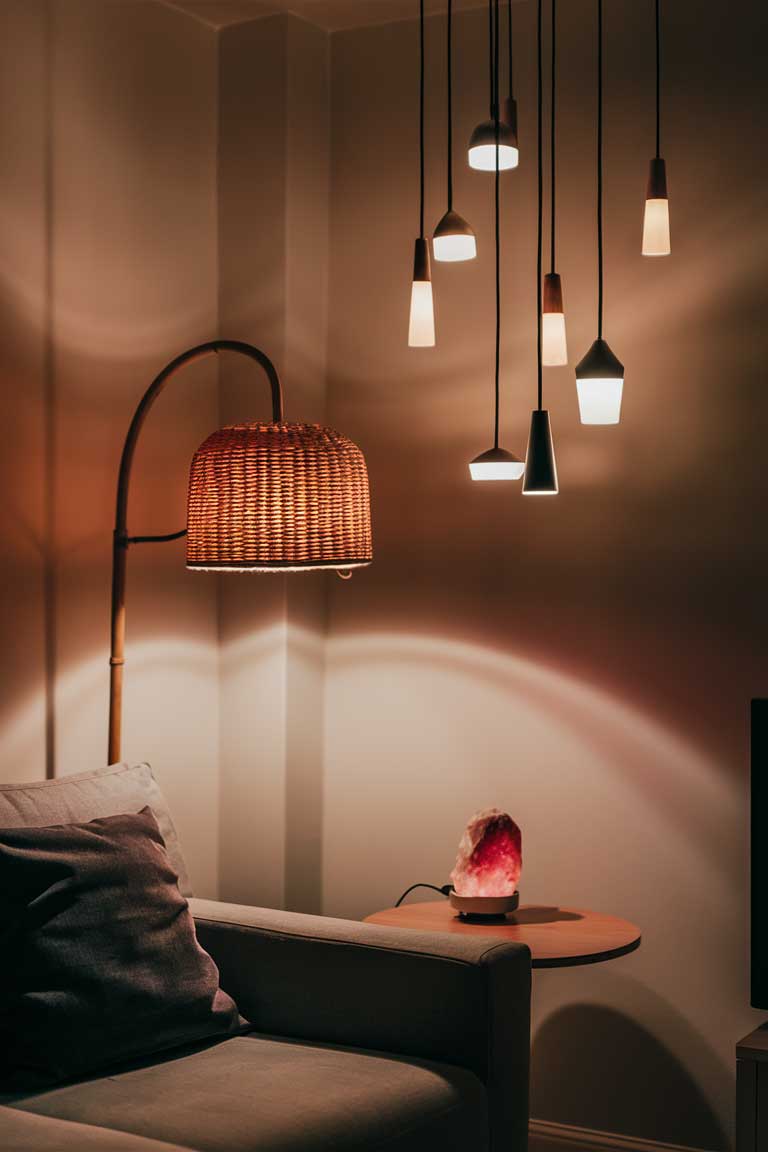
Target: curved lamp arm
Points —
{"points": [[121, 539]]}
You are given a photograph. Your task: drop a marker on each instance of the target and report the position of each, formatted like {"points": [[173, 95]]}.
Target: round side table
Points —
{"points": [[557, 937]]}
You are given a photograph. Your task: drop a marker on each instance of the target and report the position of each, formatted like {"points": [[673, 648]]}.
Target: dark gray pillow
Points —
{"points": [[99, 961]]}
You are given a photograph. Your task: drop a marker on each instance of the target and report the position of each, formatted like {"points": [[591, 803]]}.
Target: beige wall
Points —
{"points": [[109, 269], [273, 247], [585, 662]]}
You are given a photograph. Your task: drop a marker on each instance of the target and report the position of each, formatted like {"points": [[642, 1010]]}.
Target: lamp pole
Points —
{"points": [[121, 540]]}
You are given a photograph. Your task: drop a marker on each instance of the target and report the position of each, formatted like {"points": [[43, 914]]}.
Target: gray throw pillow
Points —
{"points": [[99, 961], [85, 796]]}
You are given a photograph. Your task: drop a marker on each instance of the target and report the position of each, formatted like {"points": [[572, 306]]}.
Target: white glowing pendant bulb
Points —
{"points": [[482, 144], [554, 347], [496, 464], [421, 326], [600, 385], [453, 239], [656, 241]]}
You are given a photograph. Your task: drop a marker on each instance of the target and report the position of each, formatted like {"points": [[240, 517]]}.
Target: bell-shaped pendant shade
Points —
{"points": [[278, 497], [482, 147], [496, 464], [656, 240], [600, 384], [554, 348], [540, 464], [421, 327], [453, 239]]}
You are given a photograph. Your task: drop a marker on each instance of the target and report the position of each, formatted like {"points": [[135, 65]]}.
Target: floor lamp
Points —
{"points": [[263, 497]]}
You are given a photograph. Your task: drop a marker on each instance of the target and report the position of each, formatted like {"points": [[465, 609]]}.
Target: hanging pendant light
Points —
{"points": [[540, 465], [554, 344], [493, 144], [421, 327], [656, 240], [453, 238], [600, 375], [496, 463]]}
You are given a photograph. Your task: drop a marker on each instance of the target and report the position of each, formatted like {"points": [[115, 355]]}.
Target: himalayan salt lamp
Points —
{"points": [[490, 856]]}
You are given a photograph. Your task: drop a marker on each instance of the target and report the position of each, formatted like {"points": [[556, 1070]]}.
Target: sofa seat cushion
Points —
{"points": [[25, 1132], [259, 1094]]}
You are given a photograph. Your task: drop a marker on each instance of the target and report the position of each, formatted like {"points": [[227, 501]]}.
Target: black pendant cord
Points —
{"points": [[540, 217], [599, 169], [497, 231], [421, 119], [450, 104], [491, 69], [553, 185], [509, 49], [658, 81]]}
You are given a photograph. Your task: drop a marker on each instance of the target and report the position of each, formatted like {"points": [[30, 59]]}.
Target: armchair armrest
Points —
{"points": [[461, 1000]]}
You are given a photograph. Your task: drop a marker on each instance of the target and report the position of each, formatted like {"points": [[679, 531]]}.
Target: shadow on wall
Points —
{"points": [[619, 814], [585, 1053]]}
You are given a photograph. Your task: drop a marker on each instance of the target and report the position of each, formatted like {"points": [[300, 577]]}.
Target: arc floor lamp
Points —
{"points": [[262, 497]]}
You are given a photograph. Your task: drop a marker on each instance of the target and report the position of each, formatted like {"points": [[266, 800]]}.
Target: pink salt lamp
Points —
{"points": [[488, 865]]}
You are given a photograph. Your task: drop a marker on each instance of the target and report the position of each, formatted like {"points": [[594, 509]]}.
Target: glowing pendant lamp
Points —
{"points": [[496, 463], [600, 375], [453, 238], [554, 344], [540, 465], [493, 144], [656, 240], [421, 326]]}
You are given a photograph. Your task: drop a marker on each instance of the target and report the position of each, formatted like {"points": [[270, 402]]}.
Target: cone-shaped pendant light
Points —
{"points": [[540, 466], [421, 327], [600, 375], [496, 463], [656, 240], [453, 238], [554, 345], [493, 144]]}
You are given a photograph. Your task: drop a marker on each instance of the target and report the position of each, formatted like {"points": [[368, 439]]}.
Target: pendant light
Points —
{"points": [[540, 465], [496, 463], [421, 328], [493, 144], [554, 345], [453, 238], [656, 220], [600, 375]]}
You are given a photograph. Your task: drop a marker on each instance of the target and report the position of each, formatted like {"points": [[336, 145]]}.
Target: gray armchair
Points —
{"points": [[366, 1038]]}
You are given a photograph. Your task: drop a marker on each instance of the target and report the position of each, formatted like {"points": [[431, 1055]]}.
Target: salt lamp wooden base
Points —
{"points": [[484, 907]]}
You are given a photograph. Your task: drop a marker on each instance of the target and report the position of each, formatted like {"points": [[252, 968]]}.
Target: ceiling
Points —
{"points": [[332, 15]]}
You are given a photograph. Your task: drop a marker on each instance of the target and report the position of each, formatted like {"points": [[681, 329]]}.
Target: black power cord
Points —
{"points": [[444, 891]]}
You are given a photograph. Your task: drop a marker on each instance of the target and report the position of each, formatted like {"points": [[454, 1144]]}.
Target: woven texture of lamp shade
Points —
{"points": [[278, 497]]}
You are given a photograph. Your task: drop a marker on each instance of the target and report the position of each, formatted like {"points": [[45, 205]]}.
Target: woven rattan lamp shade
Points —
{"points": [[278, 497]]}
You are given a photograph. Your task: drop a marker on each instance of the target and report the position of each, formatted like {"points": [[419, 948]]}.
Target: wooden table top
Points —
{"points": [[557, 937]]}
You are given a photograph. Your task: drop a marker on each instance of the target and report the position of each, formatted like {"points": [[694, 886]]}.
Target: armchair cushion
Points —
{"points": [[98, 956], [260, 1094]]}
